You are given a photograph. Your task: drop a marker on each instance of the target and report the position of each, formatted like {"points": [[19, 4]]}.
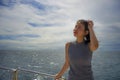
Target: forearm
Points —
{"points": [[64, 68], [93, 39]]}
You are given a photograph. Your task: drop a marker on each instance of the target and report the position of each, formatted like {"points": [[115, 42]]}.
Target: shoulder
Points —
{"points": [[68, 44]]}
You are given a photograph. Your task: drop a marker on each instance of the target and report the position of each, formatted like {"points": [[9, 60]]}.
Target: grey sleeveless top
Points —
{"points": [[80, 58]]}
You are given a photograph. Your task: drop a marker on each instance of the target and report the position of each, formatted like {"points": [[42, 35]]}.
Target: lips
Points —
{"points": [[74, 32]]}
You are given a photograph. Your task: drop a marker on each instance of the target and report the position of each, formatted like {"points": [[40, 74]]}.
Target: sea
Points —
{"points": [[105, 64]]}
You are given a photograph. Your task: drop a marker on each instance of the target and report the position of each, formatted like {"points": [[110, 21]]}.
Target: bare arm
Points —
{"points": [[93, 39], [66, 64]]}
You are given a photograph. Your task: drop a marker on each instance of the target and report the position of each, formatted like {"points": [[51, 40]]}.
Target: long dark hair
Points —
{"points": [[85, 23]]}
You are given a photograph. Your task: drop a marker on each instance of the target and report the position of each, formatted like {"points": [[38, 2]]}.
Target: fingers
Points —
{"points": [[90, 22], [57, 77]]}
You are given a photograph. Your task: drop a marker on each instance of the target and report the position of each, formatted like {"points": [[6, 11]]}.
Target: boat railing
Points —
{"points": [[39, 75]]}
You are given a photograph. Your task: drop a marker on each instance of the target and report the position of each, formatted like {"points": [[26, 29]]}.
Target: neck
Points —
{"points": [[80, 39]]}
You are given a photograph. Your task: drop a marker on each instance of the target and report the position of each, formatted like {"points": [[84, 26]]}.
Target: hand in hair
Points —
{"points": [[90, 24]]}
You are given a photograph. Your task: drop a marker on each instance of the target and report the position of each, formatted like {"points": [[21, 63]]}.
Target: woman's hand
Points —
{"points": [[90, 24], [57, 77]]}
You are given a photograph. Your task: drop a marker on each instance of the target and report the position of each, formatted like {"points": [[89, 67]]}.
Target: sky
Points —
{"points": [[48, 24]]}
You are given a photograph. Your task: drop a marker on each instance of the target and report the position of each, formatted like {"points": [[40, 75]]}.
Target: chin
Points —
{"points": [[75, 35]]}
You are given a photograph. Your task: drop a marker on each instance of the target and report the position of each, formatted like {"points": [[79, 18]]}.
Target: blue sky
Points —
{"points": [[47, 24]]}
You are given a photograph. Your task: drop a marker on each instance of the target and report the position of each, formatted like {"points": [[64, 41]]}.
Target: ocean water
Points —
{"points": [[105, 64]]}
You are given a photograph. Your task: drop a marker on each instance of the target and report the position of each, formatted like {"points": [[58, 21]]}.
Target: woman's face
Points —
{"points": [[79, 30]]}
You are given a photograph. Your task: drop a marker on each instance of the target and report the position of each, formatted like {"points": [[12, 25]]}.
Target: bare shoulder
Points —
{"points": [[67, 44]]}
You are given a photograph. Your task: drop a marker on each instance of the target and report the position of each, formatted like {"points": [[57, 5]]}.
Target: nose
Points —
{"points": [[75, 29]]}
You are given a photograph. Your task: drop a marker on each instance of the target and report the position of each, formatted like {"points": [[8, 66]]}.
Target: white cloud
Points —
{"points": [[14, 21]]}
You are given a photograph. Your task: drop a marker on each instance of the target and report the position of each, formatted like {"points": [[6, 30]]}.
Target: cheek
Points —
{"points": [[80, 32]]}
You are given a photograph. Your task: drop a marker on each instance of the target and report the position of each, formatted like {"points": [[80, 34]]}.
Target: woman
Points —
{"points": [[78, 53]]}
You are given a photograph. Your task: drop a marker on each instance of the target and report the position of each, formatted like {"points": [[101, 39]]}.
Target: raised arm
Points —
{"points": [[93, 39], [66, 64]]}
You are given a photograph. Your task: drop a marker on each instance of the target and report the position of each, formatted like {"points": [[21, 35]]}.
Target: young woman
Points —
{"points": [[78, 53]]}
